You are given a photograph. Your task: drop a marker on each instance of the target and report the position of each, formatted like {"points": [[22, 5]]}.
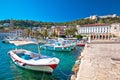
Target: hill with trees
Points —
{"points": [[31, 23]]}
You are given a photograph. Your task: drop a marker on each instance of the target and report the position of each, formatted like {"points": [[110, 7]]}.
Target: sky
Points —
{"points": [[56, 10]]}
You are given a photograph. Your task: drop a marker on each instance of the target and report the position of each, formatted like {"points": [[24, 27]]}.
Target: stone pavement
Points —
{"points": [[100, 62]]}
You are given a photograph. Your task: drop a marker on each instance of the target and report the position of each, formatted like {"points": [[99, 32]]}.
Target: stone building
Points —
{"points": [[95, 31], [59, 30], [100, 31], [95, 17]]}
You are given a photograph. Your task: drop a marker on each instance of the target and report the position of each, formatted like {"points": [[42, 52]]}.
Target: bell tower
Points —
{"points": [[11, 25]]}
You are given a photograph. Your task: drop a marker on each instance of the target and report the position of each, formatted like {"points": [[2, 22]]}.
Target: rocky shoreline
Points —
{"points": [[76, 66]]}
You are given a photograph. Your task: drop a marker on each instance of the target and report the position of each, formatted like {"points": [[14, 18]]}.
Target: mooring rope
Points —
{"points": [[63, 72]]}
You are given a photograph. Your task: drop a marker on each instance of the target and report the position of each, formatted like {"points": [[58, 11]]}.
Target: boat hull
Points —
{"points": [[5, 41], [42, 68], [44, 64], [80, 44], [56, 48]]}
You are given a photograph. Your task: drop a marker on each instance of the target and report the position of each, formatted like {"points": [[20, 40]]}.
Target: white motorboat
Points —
{"points": [[58, 45], [33, 61]]}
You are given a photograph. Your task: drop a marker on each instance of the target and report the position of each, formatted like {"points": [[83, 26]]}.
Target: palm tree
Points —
{"points": [[45, 33], [27, 32], [67, 31], [70, 31], [36, 34], [54, 33]]}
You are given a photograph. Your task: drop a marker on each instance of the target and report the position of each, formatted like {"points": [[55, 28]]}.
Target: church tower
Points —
{"points": [[11, 25]]}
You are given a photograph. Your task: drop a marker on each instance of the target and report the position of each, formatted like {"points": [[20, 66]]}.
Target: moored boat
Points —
{"points": [[5, 41], [81, 43], [8, 39], [33, 61], [58, 45]]}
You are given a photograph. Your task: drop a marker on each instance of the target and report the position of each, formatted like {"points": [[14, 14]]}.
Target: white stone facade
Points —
{"points": [[93, 29], [100, 31], [105, 16]]}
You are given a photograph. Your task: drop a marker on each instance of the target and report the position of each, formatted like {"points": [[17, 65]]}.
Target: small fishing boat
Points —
{"points": [[7, 40], [33, 61], [58, 45], [81, 43]]}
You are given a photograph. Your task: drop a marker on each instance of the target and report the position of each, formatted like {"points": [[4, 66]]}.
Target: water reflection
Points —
{"points": [[24, 74]]}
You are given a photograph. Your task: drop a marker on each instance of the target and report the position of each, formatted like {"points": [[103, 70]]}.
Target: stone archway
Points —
{"points": [[91, 37], [107, 36], [100, 36], [94, 37], [103, 36], [97, 36]]}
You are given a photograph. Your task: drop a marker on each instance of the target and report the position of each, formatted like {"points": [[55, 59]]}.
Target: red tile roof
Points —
{"points": [[90, 25]]}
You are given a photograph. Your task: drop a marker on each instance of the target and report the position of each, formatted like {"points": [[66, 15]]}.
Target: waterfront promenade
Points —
{"points": [[24, 42], [100, 61]]}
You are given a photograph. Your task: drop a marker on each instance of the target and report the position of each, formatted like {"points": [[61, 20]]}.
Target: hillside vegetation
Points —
{"points": [[31, 23]]}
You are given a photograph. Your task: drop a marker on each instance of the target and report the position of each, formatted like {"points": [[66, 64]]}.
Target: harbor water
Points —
{"points": [[9, 71]]}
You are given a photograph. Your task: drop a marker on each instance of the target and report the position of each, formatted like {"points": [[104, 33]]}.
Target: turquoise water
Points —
{"points": [[9, 71]]}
